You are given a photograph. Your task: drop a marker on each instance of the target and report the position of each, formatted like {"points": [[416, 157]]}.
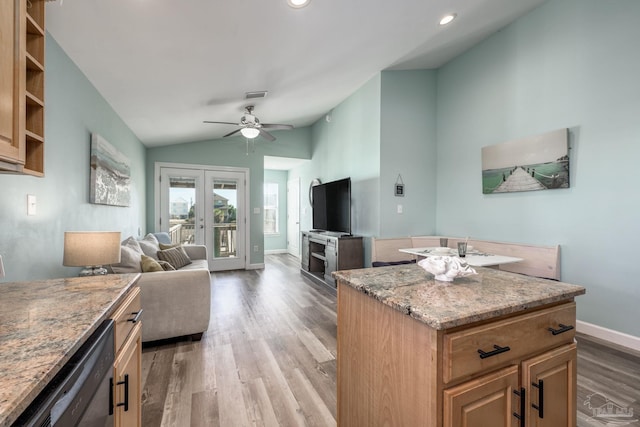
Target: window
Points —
{"points": [[270, 208]]}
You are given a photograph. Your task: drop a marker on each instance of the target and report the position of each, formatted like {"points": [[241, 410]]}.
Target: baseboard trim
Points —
{"points": [[275, 251], [259, 266], [615, 337]]}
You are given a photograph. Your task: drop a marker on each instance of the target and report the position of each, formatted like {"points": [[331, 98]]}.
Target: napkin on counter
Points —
{"points": [[446, 268]]}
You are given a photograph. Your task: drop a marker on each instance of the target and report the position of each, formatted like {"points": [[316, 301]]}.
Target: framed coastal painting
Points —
{"points": [[538, 162], [110, 174]]}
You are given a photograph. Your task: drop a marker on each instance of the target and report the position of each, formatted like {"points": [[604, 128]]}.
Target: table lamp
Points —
{"points": [[92, 250]]}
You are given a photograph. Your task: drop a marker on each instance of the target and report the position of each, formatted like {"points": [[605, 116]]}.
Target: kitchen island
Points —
{"points": [[42, 324], [490, 349]]}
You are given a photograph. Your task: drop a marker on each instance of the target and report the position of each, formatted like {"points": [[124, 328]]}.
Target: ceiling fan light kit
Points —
{"points": [[250, 126], [249, 132]]}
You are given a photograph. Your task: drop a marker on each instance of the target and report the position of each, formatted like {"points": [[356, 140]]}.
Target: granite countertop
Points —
{"points": [[443, 305], [42, 324]]}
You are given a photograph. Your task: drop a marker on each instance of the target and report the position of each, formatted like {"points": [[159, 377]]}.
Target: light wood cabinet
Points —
{"points": [[127, 368], [22, 51], [395, 370], [485, 401]]}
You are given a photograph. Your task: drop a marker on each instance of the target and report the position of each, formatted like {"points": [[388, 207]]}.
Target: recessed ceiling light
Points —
{"points": [[447, 19], [298, 3]]}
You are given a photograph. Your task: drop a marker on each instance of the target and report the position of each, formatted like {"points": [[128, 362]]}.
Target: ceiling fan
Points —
{"points": [[250, 126]]}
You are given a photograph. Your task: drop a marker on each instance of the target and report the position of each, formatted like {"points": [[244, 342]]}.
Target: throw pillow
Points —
{"points": [[177, 257], [149, 246], [166, 266], [164, 246], [149, 264], [129, 261], [132, 243], [163, 237]]}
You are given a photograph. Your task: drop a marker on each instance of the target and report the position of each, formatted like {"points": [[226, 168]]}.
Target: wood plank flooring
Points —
{"points": [[268, 359]]}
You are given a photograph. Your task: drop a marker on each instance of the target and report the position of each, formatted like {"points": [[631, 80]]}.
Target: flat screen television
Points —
{"points": [[332, 206]]}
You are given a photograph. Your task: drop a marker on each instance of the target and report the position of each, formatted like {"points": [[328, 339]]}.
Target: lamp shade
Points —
{"points": [[249, 132], [91, 248]]}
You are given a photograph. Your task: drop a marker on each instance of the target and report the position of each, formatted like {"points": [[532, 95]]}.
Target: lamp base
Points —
{"points": [[93, 271]]}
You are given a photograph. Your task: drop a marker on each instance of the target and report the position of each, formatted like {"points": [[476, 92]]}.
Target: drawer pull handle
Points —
{"points": [[498, 350], [126, 394], [540, 405], [563, 328], [521, 394], [137, 314]]}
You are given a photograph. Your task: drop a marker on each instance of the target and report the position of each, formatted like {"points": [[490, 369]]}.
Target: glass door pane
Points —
{"points": [[182, 198], [225, 203], [180, 205]]}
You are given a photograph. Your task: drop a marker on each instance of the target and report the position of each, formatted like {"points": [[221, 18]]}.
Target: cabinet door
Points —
{"points": [[127, 374], [9, 12], [551, 381], [487, 401]]}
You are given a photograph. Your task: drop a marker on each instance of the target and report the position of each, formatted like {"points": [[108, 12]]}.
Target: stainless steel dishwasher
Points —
{"points": [[80, 394]]}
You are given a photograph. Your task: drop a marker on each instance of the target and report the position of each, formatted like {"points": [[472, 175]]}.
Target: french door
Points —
{"points": [[225, 219], [205, 206]]}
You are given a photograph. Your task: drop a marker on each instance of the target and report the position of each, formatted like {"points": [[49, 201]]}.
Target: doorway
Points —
{"points": [[205, 205], [293, 217]]}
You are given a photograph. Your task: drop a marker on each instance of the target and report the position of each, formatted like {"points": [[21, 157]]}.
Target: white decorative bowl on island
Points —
{"points": [[446, 268]]}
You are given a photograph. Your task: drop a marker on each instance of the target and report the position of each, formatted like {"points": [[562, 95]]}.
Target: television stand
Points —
{"points": [[325, 252]]}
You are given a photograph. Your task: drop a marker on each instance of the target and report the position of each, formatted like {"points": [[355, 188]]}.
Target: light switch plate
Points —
{"points": [[31, 204]]}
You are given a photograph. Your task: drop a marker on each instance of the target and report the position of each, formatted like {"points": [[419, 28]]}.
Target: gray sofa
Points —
{"points": [[175, 303]]}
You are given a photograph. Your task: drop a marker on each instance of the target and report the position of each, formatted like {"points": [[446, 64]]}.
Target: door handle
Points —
{"points": [[540, 406]]}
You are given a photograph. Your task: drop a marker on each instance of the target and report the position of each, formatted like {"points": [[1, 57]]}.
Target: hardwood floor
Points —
{"points": [[268, 359]]}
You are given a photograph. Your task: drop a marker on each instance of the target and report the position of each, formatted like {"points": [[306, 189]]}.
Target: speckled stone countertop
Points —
{"points": [[42, 324], [443, 305]]}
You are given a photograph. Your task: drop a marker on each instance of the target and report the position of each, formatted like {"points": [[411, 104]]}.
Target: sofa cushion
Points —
{"points": [[150, 246], [129, 261], [149, 264], [177, 257], [166, 266], [163, 237]]}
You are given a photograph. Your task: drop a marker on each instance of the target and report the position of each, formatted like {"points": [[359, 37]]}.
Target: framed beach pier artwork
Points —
{"points": [[110, 174], [538, 162]]}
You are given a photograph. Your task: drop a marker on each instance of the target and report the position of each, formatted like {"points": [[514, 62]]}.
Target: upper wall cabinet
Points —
{"points": [[22, 39]]}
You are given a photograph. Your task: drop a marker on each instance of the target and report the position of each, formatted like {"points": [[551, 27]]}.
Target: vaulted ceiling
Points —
{"points": [[167, 65]]}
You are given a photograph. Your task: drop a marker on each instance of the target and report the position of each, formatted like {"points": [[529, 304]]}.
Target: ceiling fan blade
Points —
{"points": [[275, 126], [231, 133], [267, 135], [221, 123]]}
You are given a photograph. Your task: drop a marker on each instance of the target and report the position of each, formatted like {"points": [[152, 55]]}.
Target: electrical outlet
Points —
{"points": [[255, 248]]}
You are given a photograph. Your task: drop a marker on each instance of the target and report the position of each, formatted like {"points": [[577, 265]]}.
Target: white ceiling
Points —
{"points": [[167, 65]]}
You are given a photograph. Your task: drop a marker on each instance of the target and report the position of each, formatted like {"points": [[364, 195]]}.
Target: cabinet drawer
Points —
{"points": [[126, 316], [506, 340]]}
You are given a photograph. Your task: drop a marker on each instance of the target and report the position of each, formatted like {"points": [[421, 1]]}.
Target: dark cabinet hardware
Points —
{"points": [[563, 328], [137, 315], [521, 394], [540, 405], [110, 396], [126, 394], [498, 350]]}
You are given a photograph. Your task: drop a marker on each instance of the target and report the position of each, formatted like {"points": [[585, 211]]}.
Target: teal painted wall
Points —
{"points": [[408, 148], [32, 246], [278, 242], [348, 146], [568, 63], [232, 152]]}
